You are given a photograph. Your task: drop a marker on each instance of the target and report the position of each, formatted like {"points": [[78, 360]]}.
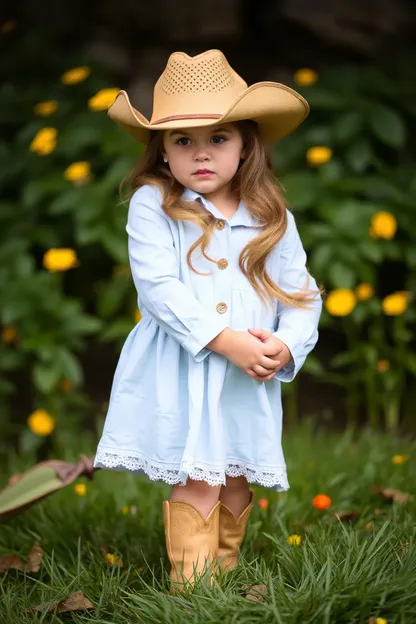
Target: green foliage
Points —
{"points": [[53, 314], [365, 115]]}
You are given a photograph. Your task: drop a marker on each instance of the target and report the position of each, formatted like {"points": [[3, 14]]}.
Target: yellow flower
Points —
{"points": [[41, 423], [383, 366], [400, 459], [137, 316], [44, 109], [80, 489], [7, 27], [364, 291], [381, 621], [125, 510], [114, 560], [78, 171], [59, 260], [395, 304], [294, 539], [305, 77], [103, 99], [44, 142], [340, 302], [318, 155], [75, 75], [8, 335], [383, 225]]}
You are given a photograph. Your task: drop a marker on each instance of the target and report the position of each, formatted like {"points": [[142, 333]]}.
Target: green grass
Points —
{"points": [[341, 572]]}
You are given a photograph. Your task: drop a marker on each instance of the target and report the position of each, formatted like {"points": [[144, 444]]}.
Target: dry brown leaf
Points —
{"points": [[14, 562], [345, 516], [391, 494], [255, 592], [75, 602], [104, 550]]}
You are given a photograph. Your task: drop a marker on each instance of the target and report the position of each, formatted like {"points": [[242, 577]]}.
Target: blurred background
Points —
{"points": [[67, 300]]}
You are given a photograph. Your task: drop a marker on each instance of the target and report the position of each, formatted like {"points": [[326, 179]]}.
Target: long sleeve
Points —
{"points": [[297, 328], [155, 269]]}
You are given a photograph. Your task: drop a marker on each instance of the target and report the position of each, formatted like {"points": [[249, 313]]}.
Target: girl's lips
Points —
{"points": [[203, 173]]}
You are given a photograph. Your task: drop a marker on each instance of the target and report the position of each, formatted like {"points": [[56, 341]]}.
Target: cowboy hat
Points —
{"points": [[204, 90]]}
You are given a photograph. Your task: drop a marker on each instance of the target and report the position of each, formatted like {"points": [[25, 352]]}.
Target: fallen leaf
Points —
{"points": [[104, 550], [75, 602], [255, 592], [391, 494], [14, 562], [26, 488], [345, 516]]}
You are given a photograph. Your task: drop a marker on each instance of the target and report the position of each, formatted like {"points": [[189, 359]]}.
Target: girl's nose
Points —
{"points": [[201, 154]]}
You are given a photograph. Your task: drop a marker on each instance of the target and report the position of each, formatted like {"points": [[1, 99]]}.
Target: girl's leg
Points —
{"points": [[237, 501], [197, 493], [235, 494], [191, 517]]}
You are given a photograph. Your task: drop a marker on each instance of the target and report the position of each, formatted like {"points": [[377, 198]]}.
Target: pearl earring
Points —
{"points": [[165, 160]]}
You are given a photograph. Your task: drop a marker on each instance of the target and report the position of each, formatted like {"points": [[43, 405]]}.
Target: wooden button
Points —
{"points": [[220, 224], [223, 263], [222, 307]]}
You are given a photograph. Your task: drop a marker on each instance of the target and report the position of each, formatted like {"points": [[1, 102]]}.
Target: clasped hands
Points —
{"points": [[276, 351]]}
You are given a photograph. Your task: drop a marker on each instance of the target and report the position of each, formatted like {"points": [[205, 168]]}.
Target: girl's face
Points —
{"points": [[204, 159]]}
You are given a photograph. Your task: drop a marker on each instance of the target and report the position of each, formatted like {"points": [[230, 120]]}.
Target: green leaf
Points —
{"points": [[119, 329], [387, 126], [46, 377], [359, 155], [313, 366], [323, 99], [347, 126], [112, 296], [341, 276], [70, 366], [301, 188], [116, 245]]}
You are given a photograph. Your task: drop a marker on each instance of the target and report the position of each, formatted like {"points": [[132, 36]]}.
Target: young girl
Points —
{"points": [[228, 307]]}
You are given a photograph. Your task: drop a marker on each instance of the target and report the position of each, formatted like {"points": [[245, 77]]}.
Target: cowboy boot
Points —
{"points": [[231, 534], [191, 541]]}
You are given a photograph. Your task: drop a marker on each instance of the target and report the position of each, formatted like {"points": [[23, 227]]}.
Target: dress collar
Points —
{"points": [[242, 216]]}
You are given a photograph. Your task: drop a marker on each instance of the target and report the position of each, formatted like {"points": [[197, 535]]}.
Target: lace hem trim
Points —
{"points": [[174, 475]]}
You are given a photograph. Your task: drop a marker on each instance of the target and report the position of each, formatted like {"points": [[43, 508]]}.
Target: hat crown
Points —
{"points": [[203, 86], [207, 72]]}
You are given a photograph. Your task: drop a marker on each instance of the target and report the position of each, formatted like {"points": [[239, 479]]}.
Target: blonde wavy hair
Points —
{"points": [[254, 184]]}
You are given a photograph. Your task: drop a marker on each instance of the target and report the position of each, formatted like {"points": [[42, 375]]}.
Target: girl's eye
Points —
{"points": [[183, 141], [218, 139]]}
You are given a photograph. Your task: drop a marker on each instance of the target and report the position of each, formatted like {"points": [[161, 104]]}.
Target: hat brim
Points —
{"points": [[276, 108]]}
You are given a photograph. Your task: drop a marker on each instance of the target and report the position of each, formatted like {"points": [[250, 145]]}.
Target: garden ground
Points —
{"points": [[352, 562]]}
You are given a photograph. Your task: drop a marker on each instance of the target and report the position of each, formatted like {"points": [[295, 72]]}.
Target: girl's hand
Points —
{"points": [[246, 352], [278, 351]]}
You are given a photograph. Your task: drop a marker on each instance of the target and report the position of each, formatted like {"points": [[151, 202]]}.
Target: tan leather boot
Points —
{"points": [[191, 541], [231, 534]]}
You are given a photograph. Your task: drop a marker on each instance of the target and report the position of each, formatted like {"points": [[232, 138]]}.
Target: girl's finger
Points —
{"points": [[269, 363], [261, 371]]}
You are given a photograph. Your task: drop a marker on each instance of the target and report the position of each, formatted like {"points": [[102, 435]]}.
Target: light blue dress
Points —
{"points": [[178, 409]]}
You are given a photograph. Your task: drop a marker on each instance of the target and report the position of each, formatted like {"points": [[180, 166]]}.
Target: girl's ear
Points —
{"points": [[243, 154]]}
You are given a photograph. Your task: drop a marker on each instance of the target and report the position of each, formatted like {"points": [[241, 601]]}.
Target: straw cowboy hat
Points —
{"points": [[204, 90]]}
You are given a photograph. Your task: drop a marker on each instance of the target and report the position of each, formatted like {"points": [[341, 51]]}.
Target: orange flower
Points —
{"points": [[321, 501], [383, 366], [8, 334], [65, 385], [263, 503]]}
